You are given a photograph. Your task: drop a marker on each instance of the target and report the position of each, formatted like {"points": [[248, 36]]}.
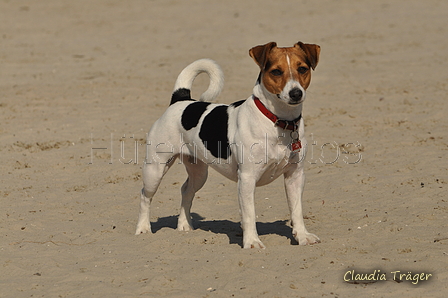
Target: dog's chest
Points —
{"points": [[273, 171]]}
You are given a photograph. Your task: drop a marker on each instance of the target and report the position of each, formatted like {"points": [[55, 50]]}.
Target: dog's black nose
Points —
{"points": [[295, 94]]}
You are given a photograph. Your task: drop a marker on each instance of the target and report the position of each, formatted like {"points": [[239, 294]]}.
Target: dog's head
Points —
{"points": [[286, 72]]}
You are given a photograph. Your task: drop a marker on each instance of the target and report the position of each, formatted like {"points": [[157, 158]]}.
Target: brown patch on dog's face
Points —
{"points": [[283, 65], [280, 65]]}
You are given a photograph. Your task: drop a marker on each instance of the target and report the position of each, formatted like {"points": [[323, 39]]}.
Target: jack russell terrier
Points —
{"points": [[251, 141]]}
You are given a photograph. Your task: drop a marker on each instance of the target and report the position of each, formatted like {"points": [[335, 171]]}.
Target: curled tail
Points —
{"points": [[185, 80]]}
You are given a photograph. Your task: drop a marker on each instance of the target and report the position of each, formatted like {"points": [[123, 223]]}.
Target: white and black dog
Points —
{"points": [[251, 142]]}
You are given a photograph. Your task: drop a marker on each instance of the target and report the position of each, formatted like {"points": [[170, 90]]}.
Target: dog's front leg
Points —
{"points": [[246, 191], [294, 183]]}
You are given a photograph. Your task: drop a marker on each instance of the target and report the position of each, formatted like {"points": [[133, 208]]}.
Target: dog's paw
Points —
{"points": [[184, 227], [143, 228], [255, 243], [306, 238], [183, 224]]}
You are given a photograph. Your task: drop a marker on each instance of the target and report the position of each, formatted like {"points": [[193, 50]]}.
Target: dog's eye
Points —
{"points": [[276, 72], [302, 70]]}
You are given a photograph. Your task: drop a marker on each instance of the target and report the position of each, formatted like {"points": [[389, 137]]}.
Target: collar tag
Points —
{"points": [[295, 146]]}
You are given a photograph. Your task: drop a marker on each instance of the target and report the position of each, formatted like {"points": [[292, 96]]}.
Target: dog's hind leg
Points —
{"points": [[197, 175], [152, 176]]}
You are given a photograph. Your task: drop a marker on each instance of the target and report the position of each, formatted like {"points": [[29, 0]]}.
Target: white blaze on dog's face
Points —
{"points": [[286, 72]]}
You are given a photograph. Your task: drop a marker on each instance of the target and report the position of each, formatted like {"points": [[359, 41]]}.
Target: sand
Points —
{"points": [[81, 82]]}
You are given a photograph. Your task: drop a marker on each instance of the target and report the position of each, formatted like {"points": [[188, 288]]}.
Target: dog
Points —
{"points": [[251, 142]]}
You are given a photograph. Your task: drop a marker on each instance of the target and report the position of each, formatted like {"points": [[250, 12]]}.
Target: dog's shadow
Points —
{"points": [[227, 227]]}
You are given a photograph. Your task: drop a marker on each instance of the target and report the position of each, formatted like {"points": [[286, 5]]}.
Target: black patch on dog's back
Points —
{"points": [[192, 114], [237, 103], [180, 94], [213, 132]]}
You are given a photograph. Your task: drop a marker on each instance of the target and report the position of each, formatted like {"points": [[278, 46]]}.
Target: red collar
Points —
{"points": [[285, 124]]}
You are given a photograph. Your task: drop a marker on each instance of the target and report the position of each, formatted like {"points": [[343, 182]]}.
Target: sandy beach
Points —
{"points": [[81, 83]]}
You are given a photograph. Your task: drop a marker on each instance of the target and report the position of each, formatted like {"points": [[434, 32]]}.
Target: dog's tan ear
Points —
{"points": [[312, 51], [259, 53]]}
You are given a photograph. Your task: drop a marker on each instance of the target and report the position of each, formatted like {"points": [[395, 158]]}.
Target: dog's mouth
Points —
{"points": [[291, 102], [294, 103]]}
